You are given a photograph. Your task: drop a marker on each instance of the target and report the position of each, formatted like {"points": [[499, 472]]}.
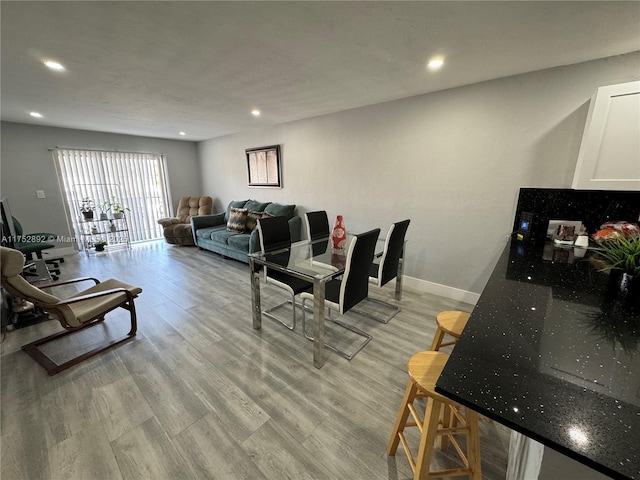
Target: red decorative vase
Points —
{"points": [[339, 234]]}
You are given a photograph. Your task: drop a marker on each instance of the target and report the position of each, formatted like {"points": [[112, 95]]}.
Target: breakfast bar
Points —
{"points": [[551, 351]]}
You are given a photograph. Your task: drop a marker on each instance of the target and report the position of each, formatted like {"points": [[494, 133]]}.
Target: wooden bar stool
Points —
{"points": [[450, 322], [424, 369]]}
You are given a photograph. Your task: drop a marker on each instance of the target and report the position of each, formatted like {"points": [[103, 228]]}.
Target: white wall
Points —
{"points": [[451, 161], [27, 166]]}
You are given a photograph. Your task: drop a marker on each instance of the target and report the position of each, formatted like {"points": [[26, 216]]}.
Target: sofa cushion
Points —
{"points": [[232, 204], [279, 210], [239, 241], [255, 205], [222, 236], [208, 233], [237, 220]]}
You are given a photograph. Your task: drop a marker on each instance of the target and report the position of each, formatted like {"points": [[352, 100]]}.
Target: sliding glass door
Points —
{"points": [[136, 181]]}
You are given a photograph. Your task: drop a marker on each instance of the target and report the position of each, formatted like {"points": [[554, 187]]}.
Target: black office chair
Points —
{"points": [[387, 269], [343, 294], [275, 235], [31, 243], [317, 224]]}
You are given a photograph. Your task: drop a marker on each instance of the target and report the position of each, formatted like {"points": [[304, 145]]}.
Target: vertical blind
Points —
{"points": [[137, 180]]}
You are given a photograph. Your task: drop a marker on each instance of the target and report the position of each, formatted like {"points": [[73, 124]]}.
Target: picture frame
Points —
{"points": [[263, 166]]}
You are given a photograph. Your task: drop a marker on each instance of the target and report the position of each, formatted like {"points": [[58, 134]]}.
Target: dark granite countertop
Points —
{"points": [[551, 351]]}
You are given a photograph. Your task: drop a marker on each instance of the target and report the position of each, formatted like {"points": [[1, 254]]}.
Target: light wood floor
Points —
{"points": [[200, 394]]}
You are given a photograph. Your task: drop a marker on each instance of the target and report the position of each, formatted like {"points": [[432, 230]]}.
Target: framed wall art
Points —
{"points": [[263, 166]]}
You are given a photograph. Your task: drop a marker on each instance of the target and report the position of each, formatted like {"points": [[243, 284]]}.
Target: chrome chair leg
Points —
{"points": [[386, 319], [348, 355], [267, 313]]}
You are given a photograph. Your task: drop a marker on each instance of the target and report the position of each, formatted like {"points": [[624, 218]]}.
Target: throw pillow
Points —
{"points": [[252, 220], [279, 210], [234, 203], [267, 215], [237, 220], [255, 205]]}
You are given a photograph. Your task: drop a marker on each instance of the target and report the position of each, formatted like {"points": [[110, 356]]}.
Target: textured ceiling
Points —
{"points": [[155, 68]]}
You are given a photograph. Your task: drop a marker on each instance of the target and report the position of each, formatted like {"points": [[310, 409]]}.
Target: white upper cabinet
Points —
{"points": [[609, 157]]}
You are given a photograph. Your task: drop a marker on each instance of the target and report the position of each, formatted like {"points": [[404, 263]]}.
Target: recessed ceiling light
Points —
{"points": [[255, 112], [182, 134], [54, 65], [435, 63], [36, 114]]}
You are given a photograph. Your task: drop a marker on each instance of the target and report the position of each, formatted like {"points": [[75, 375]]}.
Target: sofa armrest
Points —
{"points": [[254, 241], [165, 222], [205, 221]]}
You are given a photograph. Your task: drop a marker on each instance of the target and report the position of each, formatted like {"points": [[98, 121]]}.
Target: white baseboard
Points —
{"points": [[453, 293], [58, 252]]}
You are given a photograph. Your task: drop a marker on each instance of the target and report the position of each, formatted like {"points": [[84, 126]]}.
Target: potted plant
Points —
{"points": [[105, 208], [87, 207], [99, 245], [118, 208], [622, 254], [619, 254]]}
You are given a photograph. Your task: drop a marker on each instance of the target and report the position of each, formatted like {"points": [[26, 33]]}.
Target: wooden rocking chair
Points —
{"points": [[80, 311]]}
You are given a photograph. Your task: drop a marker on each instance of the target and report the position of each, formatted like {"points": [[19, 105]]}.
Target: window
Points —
{"points": [[138, 180]]}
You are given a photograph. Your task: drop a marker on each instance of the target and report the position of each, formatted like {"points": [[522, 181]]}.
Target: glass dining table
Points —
{"points": [[317, 263]]}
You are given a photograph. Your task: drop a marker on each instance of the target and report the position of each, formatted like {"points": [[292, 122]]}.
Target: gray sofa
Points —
{"points": [[210, 231]]}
